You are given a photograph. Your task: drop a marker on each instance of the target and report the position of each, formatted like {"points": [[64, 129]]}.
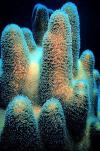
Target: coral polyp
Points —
{"points": [[50, 93]]}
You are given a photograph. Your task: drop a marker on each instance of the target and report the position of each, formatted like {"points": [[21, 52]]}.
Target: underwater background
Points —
{"points": [[49, 75]]}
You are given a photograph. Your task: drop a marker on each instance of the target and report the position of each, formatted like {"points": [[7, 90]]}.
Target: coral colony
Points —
{"points": [[49, 97]]}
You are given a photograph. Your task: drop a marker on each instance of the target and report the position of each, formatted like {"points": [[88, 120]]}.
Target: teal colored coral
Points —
{"points": [[88, 61], [14, 55], [49, 91], [40, 17], [77, 111], [72, 12], [29, 39], [56, 72], [20, 130], [52, 124]]}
